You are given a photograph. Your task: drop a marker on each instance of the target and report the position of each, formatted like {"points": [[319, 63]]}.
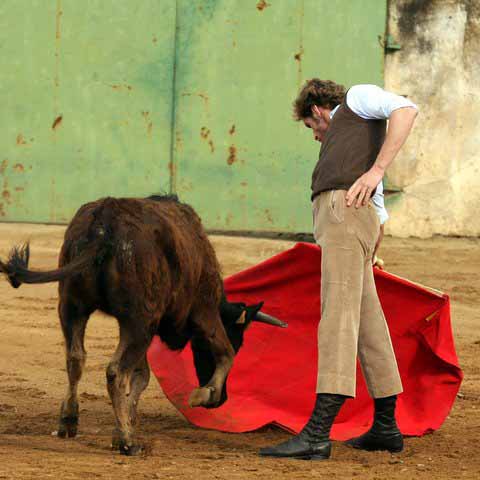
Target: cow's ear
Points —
{"points": [[242, 318]]}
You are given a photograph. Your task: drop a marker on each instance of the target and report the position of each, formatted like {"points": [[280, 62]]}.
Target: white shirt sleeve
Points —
{"points": [[372, 103], [378, 200]]}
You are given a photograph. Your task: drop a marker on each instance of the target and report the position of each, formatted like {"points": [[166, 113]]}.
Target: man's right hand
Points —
{"points": [[361, 191]]}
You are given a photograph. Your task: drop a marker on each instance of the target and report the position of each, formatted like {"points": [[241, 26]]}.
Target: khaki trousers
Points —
{"points": [[352, 320]]}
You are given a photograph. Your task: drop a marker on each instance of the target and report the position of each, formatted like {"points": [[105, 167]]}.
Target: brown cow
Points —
{"points": [[147, 262]]}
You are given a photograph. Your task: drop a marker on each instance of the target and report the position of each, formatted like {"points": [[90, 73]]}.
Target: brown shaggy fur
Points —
{"points": [[149, 263]]}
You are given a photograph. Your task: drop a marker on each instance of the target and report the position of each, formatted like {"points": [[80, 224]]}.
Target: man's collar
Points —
{"points": [[332, 113]]}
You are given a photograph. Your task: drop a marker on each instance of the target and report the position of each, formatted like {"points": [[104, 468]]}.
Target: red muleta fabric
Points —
{"points": [[274, 375]]}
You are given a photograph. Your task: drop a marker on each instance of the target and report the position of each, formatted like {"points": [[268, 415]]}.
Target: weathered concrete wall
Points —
{"points": [[438, 67]]}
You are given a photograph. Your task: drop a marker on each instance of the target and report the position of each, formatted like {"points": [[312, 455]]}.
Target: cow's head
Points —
{"points": [[236, 318]]}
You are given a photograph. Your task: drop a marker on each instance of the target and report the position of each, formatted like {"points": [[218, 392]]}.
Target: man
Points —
{"points": [[356, 151]]}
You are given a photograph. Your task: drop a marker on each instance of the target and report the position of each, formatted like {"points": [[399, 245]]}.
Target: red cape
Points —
{"points": [[274, 375]]}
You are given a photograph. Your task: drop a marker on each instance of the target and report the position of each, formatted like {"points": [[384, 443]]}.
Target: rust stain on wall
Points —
{"points": [[232, 130], [298, 58], [57, 122], [58, 18], [2, 211], [205, 133], [232, 157], [18, 167], [6, 195], [146, 116], [262, 5], [121, 87], [21, 140], [178, 140], [3, 166], [203, 96], [6, 192], [268, 216], [299, 55]]}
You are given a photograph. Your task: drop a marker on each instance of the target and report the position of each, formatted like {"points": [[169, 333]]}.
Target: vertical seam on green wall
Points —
{"points": [[385, 33], [300, 47], [173, 169], [300, 59]]}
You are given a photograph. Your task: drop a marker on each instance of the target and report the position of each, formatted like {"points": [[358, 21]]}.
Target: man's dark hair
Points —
{"points": [[323, 93]]}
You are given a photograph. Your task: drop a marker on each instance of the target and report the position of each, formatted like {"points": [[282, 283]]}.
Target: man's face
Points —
{"points": [[318, 122]]}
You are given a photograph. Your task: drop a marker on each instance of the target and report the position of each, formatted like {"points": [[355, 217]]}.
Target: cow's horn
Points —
{"points": [[268, 319]]}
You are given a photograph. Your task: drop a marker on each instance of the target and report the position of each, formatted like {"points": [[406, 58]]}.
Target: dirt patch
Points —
{"points": [[33, 381]]}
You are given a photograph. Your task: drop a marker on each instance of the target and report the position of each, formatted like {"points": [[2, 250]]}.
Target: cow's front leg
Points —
{"points": [[213, 361]]}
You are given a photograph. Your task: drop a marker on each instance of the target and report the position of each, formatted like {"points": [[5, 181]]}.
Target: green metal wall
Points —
{"points": [[87, 110], [241, 160], [203, 108]]}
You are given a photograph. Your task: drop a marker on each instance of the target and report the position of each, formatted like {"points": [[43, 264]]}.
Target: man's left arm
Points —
{"points": [[400, 123]]}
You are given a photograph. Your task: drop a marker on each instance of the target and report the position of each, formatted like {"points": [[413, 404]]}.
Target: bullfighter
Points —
{"points": [[356, 151]]}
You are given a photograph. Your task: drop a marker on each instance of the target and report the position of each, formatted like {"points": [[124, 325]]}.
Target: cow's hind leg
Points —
{"points": [[209, 326], [73, 320], [138, 383], [123, 384]]}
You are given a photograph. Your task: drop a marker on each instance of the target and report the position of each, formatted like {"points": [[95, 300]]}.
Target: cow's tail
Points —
{"points": [[93, 254]]}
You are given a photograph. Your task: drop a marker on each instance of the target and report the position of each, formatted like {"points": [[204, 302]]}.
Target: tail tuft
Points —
{"points": [[17, 262]]}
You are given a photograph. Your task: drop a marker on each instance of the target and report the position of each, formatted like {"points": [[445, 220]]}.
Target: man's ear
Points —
{"points": [[319, 114], [316, 111]]}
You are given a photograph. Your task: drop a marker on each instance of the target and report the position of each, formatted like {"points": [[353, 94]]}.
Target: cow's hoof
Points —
{"points": [[116, 440], [68, 427], [130, 450], [202, 397]]}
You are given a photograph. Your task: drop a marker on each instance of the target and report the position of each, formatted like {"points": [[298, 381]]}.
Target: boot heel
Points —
{"points": [[320, 457], [321, 452], [395, 448]]}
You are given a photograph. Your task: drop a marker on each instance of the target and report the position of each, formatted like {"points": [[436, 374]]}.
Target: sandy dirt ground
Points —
{"points": [[33, 381]]}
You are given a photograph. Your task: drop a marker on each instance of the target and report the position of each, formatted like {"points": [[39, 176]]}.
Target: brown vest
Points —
{"points": [[350, 148]]}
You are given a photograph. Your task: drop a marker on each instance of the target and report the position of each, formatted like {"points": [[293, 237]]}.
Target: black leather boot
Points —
{"points": [[313, 442], [384, 434]]}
